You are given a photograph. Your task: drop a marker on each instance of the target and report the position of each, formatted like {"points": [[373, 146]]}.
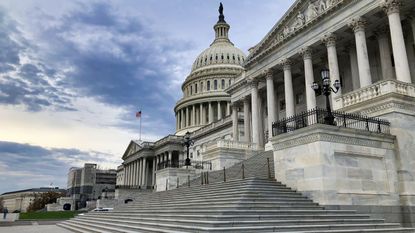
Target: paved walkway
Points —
{"points": [[34, 229]]}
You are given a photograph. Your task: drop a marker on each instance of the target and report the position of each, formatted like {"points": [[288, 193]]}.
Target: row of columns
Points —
{"points": [[359, 56], [135, 173], [199, 115]]}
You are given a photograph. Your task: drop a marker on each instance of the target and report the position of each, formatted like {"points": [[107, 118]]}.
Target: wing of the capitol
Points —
{"points": [[323, 105]]}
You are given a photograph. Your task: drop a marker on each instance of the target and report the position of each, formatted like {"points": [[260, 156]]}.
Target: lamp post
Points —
{"points": [[326, 90], [187, 142]]}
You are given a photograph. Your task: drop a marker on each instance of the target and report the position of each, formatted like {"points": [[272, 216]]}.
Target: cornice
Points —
{"points": [[293, 22]]}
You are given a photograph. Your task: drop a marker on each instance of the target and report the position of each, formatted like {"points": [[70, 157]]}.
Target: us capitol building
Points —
{"points": [[357, 151]]}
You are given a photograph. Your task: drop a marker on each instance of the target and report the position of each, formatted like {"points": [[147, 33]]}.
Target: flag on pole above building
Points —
{"points": [[138, 114]]}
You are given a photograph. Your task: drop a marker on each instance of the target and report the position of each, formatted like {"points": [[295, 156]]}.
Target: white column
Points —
{"points": [[270, 101], [330, 41], [144, 174], [358, 25], [219, 111], [255, 112], [288, 89], [228, 108], [309, 78], [354, 67], [247, 127], [127, 175], [183, 118], [391, 8], [235, 133], [412, 19], [154, 172], [210, 113], [193, 115], [170, 156], [134, 173], [202, 115], [385, 54]]}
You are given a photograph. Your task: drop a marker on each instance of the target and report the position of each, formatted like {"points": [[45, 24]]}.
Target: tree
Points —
{"points": [[43, 199]]}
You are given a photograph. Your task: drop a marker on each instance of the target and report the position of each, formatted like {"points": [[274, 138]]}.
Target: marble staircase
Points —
{"points": [[253, 204]]}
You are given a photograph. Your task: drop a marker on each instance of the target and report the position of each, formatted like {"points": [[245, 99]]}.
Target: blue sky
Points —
{"points": [[73, 74]]}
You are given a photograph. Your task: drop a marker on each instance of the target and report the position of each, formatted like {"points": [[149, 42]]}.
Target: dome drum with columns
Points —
{"points": [[204, 98]]}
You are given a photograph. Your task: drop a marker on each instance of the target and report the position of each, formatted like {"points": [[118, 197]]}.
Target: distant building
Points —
{"points": [[21, 199], [90, 183]]}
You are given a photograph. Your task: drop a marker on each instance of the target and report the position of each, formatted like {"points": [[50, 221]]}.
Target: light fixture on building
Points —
{"points": [[187, 142], [326, 90]]}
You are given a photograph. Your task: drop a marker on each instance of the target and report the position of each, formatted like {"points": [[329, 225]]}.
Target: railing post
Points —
{"points": [[188, 180], [177, 182], [224, 174], [202, 176], [367, 124], [344, 120], [379, 128], [269, 169], [166, 184], [243, 171]]}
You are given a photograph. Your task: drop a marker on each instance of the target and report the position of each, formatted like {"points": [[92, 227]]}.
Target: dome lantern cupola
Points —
{"points": [[221, 28]]}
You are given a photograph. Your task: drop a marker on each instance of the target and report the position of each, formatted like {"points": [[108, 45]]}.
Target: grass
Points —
{"points": [[48, 215]]}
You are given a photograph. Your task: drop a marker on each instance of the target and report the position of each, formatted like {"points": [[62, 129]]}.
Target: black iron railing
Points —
{"points": [[181, 163], [341, 119]]}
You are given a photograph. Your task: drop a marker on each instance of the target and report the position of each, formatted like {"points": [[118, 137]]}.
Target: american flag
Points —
{"points": [[138, 114]]}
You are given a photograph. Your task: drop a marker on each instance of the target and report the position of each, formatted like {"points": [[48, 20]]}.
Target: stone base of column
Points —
{"points": [[268, 146]]}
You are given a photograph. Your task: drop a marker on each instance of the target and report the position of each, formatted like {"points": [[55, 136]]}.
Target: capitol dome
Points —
{"points": [[205, 99], [219, 53]]}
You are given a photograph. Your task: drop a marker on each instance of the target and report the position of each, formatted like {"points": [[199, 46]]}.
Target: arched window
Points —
{"points": [[195, 88], [223, 83], [191, 90], [215, 84], [208, 85], [229, 82]]}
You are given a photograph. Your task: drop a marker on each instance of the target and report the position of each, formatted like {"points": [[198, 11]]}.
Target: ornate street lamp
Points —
{"points": [[187, 142], [326, 90]]}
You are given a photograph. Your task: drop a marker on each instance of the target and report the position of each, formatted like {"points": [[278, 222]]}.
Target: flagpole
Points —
{"points": [[140, 128]]}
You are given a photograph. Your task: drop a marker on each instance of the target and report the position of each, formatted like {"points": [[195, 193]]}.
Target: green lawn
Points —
{"points": [[48, 215]]}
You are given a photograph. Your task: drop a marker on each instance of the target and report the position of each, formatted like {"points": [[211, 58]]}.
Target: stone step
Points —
{"points": [[230, 199], [79, 228], [388, 230], [239, 212], [224, 223], [136, 225], [232, 207], [212, 203], [232, 217]]}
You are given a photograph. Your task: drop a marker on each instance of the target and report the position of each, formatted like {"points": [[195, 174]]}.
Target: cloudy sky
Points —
{"points": [[73, 74]]}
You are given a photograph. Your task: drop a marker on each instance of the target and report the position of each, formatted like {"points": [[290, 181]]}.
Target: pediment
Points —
{"points": [[132, 148], [302, 14]]}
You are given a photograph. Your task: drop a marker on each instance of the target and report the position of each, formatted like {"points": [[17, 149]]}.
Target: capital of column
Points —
{"points": [[247, 99], [253, 83], [286, 64], [391, 6], [329, 40], [269, 74], [358, 24], [306, 52]]}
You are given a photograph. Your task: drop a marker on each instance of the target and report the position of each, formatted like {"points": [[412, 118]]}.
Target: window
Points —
{"points": [[223, 83], [215, 84], [191, 89], [196, 88], [229, 82], [208, 85]]}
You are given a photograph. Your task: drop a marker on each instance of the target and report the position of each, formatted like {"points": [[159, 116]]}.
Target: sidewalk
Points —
{"points": [[34, 229]]}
